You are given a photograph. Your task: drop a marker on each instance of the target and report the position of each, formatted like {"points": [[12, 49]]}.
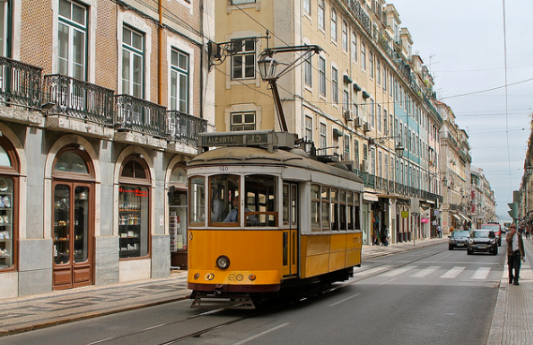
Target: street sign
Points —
{"points": [[405, 214]]}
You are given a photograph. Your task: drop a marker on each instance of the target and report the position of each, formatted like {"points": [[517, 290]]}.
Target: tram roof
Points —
{"points": [[259, 156]]}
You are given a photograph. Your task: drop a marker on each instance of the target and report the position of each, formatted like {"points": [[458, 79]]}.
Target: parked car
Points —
{"points": [[458, 239], [482, 240], [496, 228]]}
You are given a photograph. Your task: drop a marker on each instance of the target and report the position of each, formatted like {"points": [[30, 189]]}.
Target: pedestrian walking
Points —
{"points": [[515, 253], [439, 231]]}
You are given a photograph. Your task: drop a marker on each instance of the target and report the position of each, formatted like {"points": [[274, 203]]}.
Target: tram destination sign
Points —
{"points": [[269, 139]]}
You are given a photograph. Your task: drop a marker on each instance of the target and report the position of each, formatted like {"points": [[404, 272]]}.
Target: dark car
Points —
{"points": [[458, 239], [496, 228], [482, 240]]}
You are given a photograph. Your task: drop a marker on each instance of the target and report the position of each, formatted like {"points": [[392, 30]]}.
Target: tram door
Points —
{"points": [[290, 229]]}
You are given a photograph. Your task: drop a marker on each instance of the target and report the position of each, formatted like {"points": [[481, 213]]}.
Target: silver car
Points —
{"points": [[458, 239]]}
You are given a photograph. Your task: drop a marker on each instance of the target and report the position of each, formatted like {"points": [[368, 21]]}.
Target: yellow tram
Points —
{"points": [[264, 217]]}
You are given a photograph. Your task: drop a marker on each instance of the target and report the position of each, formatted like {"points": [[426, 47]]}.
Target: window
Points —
{"points": [[315, 208], [132, 62], [384, 77], [380, 166], [308, 128], [325, 209], [385, 126], [371, 115], [356, 152], [333, 25], [134, 209], [346, 147], [379, 118], [344, 36], [72, 36], [260, 201], [354, 46], [179, 81], [243, 62], [323, 136], [334, 85], [378, 71], [373, 162], [241, 2], [321, 15], [307, 6], [243, 121], [322, 75], [4, 28], [371, 64], [386, 167], [346, 100], [9, 167], [309, 72], [197, 201], [363, 57]]}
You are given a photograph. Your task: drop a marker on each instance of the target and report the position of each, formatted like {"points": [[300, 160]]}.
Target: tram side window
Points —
{"points": [[260, 200], [342, 210], [357, 211], [350, 216], [354, 221], [334, 209], [315, 208], [197, 201], [224, 199], [325, 208]]}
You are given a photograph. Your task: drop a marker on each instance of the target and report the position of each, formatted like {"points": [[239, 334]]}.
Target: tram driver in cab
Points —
{"points": [[233, 215]]}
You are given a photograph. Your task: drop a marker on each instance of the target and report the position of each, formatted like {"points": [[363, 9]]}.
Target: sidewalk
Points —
{"points": [[513, 311]]}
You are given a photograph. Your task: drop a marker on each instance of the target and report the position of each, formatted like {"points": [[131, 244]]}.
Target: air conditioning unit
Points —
{"points": [[364, 165], [366, 127], [357, 122], [346, 113]]}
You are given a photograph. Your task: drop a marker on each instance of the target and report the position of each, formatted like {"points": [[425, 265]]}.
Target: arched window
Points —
{"points": [[134, 208], [9, 170]]}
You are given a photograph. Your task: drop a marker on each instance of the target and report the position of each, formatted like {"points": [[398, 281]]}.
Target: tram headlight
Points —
{"points": [[223, 262]]}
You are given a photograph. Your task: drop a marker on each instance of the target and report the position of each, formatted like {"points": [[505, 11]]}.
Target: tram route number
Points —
{"points": [[222, 169]]}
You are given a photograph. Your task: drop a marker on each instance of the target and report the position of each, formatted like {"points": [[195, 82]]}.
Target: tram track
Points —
{"points": [[183, 324]]}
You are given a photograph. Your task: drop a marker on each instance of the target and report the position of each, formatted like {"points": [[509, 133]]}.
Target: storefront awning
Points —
{"points": [[456, 217], [465, 217], [370, 197]]}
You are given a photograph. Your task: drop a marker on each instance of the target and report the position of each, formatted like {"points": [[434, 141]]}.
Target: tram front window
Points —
{"points": [[223, 199], [260, 200]]}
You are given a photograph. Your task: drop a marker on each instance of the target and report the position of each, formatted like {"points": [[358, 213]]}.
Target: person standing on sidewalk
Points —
{"points": [[515, 253]]}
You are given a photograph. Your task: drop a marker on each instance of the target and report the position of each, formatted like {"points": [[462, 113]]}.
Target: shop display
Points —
{"points": [[130, 222], [6, 227]]}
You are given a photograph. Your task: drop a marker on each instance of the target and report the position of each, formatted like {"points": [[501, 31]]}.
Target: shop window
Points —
{"points": [[9, 166], [134, 205]]}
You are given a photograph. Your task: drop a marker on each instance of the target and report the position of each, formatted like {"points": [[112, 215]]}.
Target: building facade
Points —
{"points": [[101, 103]]}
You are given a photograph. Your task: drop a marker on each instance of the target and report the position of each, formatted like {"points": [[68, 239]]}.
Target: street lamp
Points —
{"points": [[529, 168], [399, 147], [267, 66]]}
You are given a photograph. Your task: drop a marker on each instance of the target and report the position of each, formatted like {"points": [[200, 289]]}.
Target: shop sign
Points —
{"points": [[405, 214]]}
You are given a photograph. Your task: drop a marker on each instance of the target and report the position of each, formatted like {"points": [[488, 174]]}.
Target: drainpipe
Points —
{"points": [[160, 65]]}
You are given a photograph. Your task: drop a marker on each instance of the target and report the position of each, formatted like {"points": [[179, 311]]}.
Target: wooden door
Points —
{"points": [[72, 235]]}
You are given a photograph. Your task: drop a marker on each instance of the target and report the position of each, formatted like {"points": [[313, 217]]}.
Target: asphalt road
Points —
{"points": [[426, 296]]}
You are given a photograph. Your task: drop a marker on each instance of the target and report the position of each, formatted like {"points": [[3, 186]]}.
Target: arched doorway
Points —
{"points": [[73, 218]]}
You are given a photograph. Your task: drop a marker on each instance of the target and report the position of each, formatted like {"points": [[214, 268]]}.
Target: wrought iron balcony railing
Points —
{"points": [[138, 115], [20, 83], [184, 128], [78, 99]]}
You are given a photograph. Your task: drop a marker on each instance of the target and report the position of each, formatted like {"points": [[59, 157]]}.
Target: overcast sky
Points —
{"points": [[462, 43]]}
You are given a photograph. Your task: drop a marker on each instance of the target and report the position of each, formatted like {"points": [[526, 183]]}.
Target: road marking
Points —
{"points": [[425, 272], [373, 270], [454, 272], [481, 273], [398, 271], [343, 300], [261, 334]]}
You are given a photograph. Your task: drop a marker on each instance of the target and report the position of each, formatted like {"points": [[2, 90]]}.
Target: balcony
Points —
{"points": [[183, 130], [140, 122], [78, 106], [20, 85]]}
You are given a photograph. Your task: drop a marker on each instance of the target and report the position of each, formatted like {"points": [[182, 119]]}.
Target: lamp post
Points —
{"points": [[268, 68]]}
